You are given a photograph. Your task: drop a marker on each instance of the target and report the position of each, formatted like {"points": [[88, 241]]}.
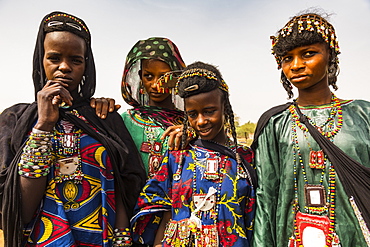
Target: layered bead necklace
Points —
{"points": [[319, 208]]}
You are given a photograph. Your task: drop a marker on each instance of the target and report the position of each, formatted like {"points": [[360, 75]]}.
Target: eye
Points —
{"points": [[209, 112], [286, 59], [191, 115], [53, 58], [77, 60], [309, 54], [148, 76]]}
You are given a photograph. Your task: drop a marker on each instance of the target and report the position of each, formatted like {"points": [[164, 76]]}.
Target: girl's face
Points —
{"points": [[151, 71], [205, 113], [306, 67], [64, 58]]}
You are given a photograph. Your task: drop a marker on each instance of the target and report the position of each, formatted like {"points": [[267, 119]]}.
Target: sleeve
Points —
{"points": [[266, 161], [154, 199]]}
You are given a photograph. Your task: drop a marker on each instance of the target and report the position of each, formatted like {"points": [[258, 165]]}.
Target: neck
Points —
{"points": [[167, 103], [309, 98]]}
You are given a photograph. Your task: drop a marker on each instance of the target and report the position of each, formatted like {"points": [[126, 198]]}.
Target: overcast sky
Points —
{"points": [[231, 34]]}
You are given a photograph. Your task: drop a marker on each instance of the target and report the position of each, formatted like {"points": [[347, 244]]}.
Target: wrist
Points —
{"points": [[44, 127]]}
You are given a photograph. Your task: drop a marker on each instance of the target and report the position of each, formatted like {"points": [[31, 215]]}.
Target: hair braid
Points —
{"points": [[229, 117], [287, 85], [184, 131]]}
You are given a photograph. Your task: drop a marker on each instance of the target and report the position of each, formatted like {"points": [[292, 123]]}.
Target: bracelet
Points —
{"points": [[122, 237], [37, 156]]}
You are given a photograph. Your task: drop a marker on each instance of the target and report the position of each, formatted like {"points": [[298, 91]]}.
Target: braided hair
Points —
{"points": [[302, 30], [199, 78]]}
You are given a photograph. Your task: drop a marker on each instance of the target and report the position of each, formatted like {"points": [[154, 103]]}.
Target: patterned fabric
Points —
{"points": [[147, 124], [274, 162], [152, 48], [230, 217], [75, 214]]}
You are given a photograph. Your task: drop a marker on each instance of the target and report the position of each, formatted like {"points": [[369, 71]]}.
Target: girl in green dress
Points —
{"points": [[301, 201]]}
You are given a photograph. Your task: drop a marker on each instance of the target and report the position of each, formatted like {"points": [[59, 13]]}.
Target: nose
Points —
{"points": [[64, 67], [297, 64], [201, 120]]}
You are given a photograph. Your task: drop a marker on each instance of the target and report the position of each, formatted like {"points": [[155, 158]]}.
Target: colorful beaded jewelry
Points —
{"points": [[201, 73], [122, 237], [36, 158], [318, 208], [67, 146], [311, 23]]}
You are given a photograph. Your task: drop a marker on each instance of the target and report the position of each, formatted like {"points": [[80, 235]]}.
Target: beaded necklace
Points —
{"points": [[336, 108], [67, 147], [315, 208]]}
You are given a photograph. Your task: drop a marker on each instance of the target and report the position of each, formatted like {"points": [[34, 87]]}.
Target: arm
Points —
{"points": [[266, 160], [160, 233], [49, 98]]}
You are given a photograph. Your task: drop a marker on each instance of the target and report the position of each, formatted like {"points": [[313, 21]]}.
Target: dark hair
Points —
{"points": [[202, 78], [306, 29]]}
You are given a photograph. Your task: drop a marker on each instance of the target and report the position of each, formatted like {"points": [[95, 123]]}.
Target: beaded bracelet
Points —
{"points": [[36, 158], [122, 237]]}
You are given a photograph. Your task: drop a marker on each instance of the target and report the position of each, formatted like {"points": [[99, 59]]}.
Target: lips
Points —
{"points": [[298, 78], [204, 131], [64, 79]]}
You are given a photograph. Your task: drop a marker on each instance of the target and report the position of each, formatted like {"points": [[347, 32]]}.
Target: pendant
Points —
{"points": [[68, 169], [208, 204], [317, 160], [145, 147], [211, 169], [154, 163], [314, 195], [313, 231]]}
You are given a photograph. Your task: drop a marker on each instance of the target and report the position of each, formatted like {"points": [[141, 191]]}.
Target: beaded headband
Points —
{"points": [[70, 24], [201, 73], [311, 23], [58, 21]]}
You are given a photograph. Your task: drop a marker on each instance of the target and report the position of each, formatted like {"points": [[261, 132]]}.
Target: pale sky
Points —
{"points": [[231, 34]]}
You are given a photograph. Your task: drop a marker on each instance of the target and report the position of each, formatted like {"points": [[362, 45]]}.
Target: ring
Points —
{"points": [[178, 130]]}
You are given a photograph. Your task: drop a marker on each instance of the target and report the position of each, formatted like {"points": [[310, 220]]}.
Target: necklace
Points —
{"points": [[320, 210], [336, 109], [67, 146]]}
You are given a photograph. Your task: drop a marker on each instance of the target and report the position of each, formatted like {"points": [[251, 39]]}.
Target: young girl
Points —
{"points": [[202, 195], [301, 198], [67, 177]]}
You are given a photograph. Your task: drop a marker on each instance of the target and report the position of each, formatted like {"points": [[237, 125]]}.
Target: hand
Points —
{"points": [[48, 100], [103, 106], [174, 134]]}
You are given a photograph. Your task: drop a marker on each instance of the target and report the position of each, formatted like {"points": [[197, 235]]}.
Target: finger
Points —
{"points": [[92, 102], [178, 140], [104, 108], [168, 131], [117, 107], [111, 103], [171, 141], [98, 106]]}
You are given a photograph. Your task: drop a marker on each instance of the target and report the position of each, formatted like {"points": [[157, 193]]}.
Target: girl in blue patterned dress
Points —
{"points": [[203, 194]]}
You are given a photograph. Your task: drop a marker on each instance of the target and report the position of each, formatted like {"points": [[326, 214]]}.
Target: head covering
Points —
{"points": [[59, 21], [200, 78], [294, 34], [153, 48]]}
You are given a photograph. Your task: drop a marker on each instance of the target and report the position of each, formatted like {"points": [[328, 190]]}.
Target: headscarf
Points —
{"points": [[153, 48], [59, 21], [17, 121]]}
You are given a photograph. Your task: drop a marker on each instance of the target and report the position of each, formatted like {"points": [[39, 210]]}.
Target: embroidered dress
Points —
{"points": [[146, 125], [73, 212], [275, 168], [199, 186]]}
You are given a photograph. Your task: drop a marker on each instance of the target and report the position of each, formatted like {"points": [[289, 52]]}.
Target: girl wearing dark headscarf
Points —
{"points": [[65, 175], [147, 84], [202, 195]]}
